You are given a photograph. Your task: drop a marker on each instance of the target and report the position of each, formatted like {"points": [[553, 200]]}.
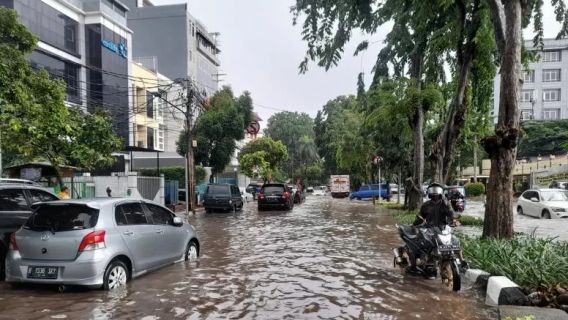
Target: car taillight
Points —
{"points": [[13, 244], [261, 195], [286, 195], [92, 241]]}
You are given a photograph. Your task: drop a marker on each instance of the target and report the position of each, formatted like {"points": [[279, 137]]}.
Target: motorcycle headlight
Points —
{"points": [[559, 209]]}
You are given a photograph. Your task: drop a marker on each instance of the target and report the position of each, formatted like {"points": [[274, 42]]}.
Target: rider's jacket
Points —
{"points": [[435, 214]]}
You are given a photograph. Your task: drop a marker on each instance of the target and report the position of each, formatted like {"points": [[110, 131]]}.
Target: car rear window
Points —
{"points": [[273, 189], [66, 217], [218, 189]]}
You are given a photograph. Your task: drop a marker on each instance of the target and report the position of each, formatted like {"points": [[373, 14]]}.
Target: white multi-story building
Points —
{"points": [[544, 95]]}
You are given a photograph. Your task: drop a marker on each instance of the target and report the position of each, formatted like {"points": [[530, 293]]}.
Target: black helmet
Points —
{"points": [[435, 191]]}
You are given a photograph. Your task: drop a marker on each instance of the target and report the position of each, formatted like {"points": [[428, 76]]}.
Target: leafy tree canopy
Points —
{"points": [[275, 153], [543, 138], [218, 128]]}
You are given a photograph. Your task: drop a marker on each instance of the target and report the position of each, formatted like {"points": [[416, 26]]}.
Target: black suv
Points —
{"points": [[15, 202], [222, 197], [275, 195]]}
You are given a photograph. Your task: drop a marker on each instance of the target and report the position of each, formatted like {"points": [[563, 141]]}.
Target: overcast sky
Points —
{"points": [[261, 51]]}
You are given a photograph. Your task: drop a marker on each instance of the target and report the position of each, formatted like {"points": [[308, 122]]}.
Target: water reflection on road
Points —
{"points": [[327, 259]]}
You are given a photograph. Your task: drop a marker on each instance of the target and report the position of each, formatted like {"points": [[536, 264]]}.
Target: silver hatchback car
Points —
{"points": [[97, 242]]}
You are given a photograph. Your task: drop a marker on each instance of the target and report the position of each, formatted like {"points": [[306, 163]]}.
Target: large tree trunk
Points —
{"points": [[502, 147], [415, 194], [442, 153], [417, 124]]}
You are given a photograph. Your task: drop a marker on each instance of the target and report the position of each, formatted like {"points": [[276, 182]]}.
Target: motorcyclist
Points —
{"points": [[434, 213]]}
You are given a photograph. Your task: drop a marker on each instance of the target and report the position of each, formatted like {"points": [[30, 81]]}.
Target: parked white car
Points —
{"points": [[247, 196], [319, 191], [544, 203]]}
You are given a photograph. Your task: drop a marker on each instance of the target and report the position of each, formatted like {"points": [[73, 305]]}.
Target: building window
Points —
{"points": [[528, 76], [150, 105], [526, 114], [49, 24], [550, 75], [551, 56], [551, 114], [161, 130], [527, 95], [59, 69], [150, 138], [551, 95]]}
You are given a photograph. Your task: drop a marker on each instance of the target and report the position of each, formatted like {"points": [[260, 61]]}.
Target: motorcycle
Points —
{"points": [[458, 204], [437, 250]]}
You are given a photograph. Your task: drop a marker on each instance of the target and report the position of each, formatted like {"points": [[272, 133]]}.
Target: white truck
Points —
{"points": [[340, 187]]}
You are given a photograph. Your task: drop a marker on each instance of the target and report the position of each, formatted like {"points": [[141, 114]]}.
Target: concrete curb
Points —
{"points": [[507, 296]]}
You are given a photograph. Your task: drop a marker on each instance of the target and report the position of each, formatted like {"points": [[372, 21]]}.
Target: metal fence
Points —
{"points": [[80, 187], [149, 187], [172, 192]]}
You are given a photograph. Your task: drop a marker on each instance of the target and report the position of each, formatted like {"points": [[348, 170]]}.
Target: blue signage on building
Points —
{"points": [[119, 48]]}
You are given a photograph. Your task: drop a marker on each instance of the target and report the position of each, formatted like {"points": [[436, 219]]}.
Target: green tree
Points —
{"points": [[35, 123], [218, 128], [255, 165], [290, 127], [275, 153], [543, 138]]}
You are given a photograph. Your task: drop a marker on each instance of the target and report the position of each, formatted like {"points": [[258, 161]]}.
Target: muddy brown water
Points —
{"points": [[327, 259]]}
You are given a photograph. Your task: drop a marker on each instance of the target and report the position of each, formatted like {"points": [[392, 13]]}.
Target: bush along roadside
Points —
{"points": [[408, 217], [538, 266]]}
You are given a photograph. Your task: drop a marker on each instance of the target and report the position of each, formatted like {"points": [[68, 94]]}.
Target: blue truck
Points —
{"points": [[370, 191]]}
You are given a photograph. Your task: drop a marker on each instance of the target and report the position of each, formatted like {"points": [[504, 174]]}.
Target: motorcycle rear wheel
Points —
{"points": [[450, 276]]}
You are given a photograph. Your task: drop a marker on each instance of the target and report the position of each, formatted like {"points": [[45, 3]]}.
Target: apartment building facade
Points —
{"points": [[85, 43], [544, 94], [183, 45]]}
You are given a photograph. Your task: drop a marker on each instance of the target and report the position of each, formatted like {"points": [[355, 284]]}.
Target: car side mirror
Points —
{"points": [[178, 222], [534, 199]]}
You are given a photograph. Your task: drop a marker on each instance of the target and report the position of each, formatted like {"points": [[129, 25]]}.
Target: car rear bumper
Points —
{"points": [[87, 270], [273, 204]]}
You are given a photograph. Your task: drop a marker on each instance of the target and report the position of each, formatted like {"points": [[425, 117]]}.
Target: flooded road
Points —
{"points": [[327, 259]]}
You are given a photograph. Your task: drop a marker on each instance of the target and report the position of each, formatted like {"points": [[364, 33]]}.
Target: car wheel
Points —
{"points": [[358, 198], [207, 210], [546, 214], [520, 210], [116, 275], [191, 252]]}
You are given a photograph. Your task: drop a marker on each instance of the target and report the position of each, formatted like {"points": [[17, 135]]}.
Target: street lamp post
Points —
{"points": [[537, 160]]}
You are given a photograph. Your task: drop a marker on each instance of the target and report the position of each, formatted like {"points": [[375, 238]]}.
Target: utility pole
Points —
{"points": [[475, 159], [190, 170]]}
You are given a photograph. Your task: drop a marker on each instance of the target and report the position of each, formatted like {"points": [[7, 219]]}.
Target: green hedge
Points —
{"points": [[528, 261], [176, 173], [474, 189]]}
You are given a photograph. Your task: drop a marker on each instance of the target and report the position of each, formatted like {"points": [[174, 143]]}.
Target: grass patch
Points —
{"points": [[471, 221], [404, 217], [391, 206], [526, 260]]}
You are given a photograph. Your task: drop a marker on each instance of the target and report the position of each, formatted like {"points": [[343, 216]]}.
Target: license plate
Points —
{"points": [[42, 272], [272, 199], [449, 247]]}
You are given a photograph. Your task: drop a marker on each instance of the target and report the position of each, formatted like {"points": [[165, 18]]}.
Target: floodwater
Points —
{"points": [[327, 259]]}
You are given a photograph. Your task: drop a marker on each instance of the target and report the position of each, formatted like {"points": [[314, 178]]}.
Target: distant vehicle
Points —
{"points": [[456, 196], [393, 188], [340, 186], [371, 191], [310, 190], [275, 195], [15, 208], [18, 181], [222, 197], [247, 196], [253, 188], [319, 191], [544, 203], [559, 185], [101, 242]]}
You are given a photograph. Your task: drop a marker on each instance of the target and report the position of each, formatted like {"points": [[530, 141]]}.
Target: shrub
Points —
{"points": [[471, 221], [526, 260], [474, 189]]}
